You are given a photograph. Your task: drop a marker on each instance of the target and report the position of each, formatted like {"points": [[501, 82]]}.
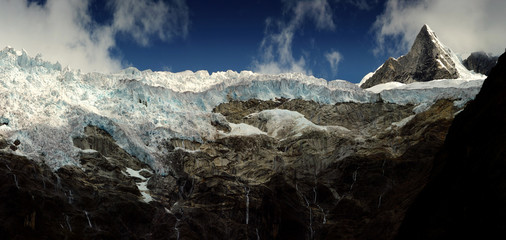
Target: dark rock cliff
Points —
{"points": [[466, 195], [480, 62]]}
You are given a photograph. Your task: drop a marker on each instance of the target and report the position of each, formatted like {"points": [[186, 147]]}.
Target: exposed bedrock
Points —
{"points": [[319, 184]]}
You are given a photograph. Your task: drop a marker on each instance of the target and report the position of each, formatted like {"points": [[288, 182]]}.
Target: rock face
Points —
{"points": [[317, 185], [467, 191], [354, 182], [427, 60], [480, 62], [99, 200]]}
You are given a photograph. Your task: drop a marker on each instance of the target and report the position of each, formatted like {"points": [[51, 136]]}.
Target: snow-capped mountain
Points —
{"points": [[428, 59]]}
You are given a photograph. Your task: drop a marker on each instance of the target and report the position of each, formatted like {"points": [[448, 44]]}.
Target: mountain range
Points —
{"points": [[228, 155]]}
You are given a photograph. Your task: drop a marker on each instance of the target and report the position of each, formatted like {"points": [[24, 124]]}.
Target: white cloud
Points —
{"points": [[465, 26], [333, 58], [276, 47], [62, 30], [141, 19]]}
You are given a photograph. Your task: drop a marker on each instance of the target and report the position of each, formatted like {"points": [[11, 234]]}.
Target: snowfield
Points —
{"points": [[45, 106], [281, 123], [418, 93]]}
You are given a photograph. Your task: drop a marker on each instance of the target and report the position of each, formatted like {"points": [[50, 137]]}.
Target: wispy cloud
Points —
{"points": [[276, 47], [333, 58], [465, 26], [63, 30], [143, 19]]}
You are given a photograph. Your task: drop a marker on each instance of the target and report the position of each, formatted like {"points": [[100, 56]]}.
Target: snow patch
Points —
{"points": [[403, 122], [133, 173], [187, 150], [440, 64], [384, 86], [440, 83], [281, 123], [365, 78], [457, 113], [243, 129], [143, 185], [88, 151], [426, 93], [369, 75], [5, 129]]}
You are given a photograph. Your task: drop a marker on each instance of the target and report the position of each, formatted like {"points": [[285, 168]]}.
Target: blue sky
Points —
{"points": [[332, 39], [228, 34]]}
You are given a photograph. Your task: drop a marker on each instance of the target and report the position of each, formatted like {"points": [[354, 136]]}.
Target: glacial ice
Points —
{"points": [[45, 105]]}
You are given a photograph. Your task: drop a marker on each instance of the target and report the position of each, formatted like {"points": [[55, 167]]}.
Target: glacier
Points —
{"points": [[45, 105]]}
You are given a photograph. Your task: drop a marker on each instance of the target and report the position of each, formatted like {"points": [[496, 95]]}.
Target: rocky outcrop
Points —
{"points": [[480, 62], [467, 190], [427, 60]]}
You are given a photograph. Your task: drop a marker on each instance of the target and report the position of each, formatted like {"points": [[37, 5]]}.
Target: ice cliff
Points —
{"points": [[46, 106]]}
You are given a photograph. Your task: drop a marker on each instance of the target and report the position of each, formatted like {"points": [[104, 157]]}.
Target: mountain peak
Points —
{"points": [[428, 59], [426, 28], [426, 40], [427, 31]]}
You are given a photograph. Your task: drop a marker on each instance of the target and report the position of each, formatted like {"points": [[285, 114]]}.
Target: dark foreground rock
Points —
{"points": [[36, 203], [466, 195]]}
